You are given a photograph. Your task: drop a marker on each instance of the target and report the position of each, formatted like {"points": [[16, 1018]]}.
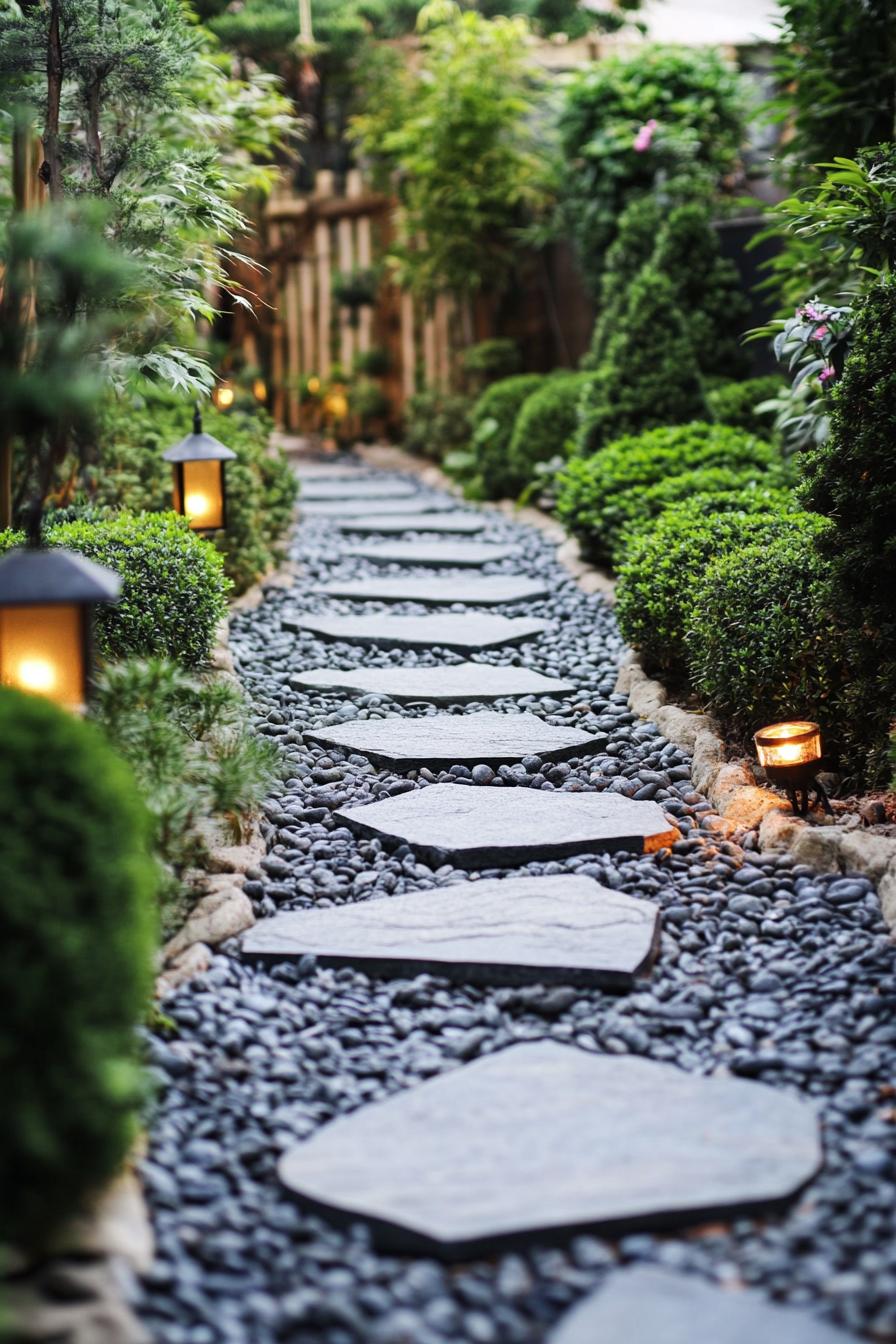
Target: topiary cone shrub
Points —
{"points": [[77, 934], [851, 478], [639, 225], [543, 427], [649, 374], [492, 420]]}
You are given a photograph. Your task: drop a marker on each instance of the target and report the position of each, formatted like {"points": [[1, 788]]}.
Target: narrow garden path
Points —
{"points": [[567, 1090]]}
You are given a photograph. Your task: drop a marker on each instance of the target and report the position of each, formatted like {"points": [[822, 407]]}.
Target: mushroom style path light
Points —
{"points": [[790, 753], [47, 598], [200, 487]]}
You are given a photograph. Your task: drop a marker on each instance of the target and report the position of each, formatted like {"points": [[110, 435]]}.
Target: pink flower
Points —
{"points": [[819, 332], [645, 135], [827, 373], [809, 310]]}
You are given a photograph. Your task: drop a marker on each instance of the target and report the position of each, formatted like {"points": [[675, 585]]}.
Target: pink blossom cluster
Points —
{"points": [[644, 137]]}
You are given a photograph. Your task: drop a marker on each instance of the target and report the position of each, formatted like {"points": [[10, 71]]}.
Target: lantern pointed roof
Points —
{"points": [[198, 446], [35, 576]]}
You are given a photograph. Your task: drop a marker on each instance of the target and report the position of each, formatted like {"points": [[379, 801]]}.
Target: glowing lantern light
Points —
{"points": [[200, 488], [260, 389], [790, 753], [224, 394], [46, 603]]}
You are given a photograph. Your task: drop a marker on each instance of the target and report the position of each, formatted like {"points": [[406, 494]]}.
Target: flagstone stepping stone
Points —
{"points": [[367, 487], [545, 1140], [390, 524], [647, 1305], [357, 508], [333, 471], [442, 740], [567, 930], [459, 684], [491, 828], [464, 632], [439, 554], [475, 589]]}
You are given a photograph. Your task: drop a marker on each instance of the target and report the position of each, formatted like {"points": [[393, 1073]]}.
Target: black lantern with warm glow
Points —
{"points": [[200, 487], [790, 753], [46, 603]]}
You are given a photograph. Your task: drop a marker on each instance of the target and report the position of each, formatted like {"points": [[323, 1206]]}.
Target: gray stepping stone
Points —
{"points": [[459, 684], [491, 828], [474, 589], [646, 1305], [332, 471], [439, 554], [442, 740], [566, 930], [357, 508], [544, 1140], [459, 524], [364, 488], [466, 632]]}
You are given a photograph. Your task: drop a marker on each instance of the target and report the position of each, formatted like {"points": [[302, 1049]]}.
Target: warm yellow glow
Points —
{"points": [[203, 494], [42, 651], [336, 405], [788, 744], [224, 395], [260, 389], [313, 385]]}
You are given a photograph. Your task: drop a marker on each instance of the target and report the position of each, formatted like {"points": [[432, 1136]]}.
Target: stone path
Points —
{"points": [[457, 684], [433, 554], [453, 1029], [394, 523]]}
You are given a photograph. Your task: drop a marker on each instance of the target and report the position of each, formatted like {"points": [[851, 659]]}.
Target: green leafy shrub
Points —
{"points": [[734, 402], [262, 488], [850, 478], [657, 580], [76, 945], [492, 420], [695, 100], [173, 587], [648, 376], [487, 361], [639, 226], [599, 495], [544, 426], [194, 753], [757, 632], [718, 490], [436, 423]]}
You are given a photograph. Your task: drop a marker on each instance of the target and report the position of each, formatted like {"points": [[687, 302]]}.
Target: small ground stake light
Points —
{"points": [[790, 754], [200, 488], [46, 604]]}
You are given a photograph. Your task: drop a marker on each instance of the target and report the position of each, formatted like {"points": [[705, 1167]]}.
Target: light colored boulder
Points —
{"points": [[819, 847], [234, 858], [865, 852], [195, 960], [218, 916], [886, 890], [681, 726], [707, 761], [778, 831], [646, 697]]}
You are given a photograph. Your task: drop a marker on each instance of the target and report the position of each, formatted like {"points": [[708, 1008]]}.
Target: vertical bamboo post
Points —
{"points": [[292, 341], [310, 363], [278, 400], [442, 351], [364, 252], [323, 187], [346, 330], [408, 346]]}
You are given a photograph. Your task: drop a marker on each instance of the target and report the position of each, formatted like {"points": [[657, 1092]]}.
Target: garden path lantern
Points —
{"points": [[790, 753], [200, 490], [224, 394], [46, 603]]}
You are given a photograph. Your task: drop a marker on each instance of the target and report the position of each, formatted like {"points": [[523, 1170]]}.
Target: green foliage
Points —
{"points": [[76, 947], [707, 287], [758, 638], [656, 583], [173, 586], [194, 753], [436, 423], [737, 403], [850, 478], [694, 98], [492, 420], [487, 361], [544, 427], [713, 490], [639, 226], [599, 495], [648, 376], [459, 130], [128, 472]]}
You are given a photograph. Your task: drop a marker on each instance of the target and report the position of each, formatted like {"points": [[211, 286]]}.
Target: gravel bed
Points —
{"points": [[766, 970]]}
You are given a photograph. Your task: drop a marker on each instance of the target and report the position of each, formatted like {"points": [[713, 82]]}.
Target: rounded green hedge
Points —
{"points": [[718, 489], [544, 426], [656, 585], [590, 490], [734, 403], [77, 935], [492, 420], [173, 586], [757, 631]]}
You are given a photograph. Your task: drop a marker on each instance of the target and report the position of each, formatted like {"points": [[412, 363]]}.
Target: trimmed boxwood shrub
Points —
{"points": [[717, 490], [758, 635], [173, 586], [544, 426], [851, 478], [649, 374], [492, 420], [77, 935], [656, 583], [632, 248], [590, 490], [436, 423], [734, 402]]}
